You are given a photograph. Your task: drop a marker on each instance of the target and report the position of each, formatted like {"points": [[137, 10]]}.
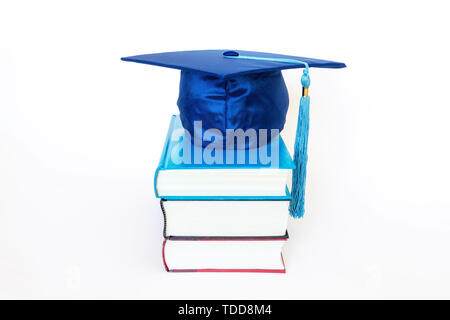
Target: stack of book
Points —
{"points": [[226, 217]]}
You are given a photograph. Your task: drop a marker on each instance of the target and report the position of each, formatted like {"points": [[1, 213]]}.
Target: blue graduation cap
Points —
{"points": [[230, 90]]}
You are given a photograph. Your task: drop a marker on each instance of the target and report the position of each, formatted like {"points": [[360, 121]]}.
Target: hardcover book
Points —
{"points": [[221, 218], [224, 255], [185, 172]]}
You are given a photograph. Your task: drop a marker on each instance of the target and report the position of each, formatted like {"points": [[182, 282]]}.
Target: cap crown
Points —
{"points": [[252, 101]]}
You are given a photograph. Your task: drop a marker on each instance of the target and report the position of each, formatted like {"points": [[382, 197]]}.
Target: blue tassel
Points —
{"points": [[297, 205]]}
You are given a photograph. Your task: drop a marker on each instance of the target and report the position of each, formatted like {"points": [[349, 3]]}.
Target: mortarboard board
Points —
{"points": [[212, 62], [230, 90]]}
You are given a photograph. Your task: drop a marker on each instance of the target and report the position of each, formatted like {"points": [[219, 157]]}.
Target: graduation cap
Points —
{"points": [[242, 90]]}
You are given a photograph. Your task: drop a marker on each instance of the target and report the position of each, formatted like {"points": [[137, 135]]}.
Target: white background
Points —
{"points": [[81, 134]]}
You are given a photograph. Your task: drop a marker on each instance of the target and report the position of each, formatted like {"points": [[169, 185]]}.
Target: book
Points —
{"points": [[185, 173], [225, 215], [212, 218], [224, 255]]}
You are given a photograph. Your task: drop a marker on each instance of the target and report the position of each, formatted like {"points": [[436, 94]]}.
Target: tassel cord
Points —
{"points": [[297, 204]]}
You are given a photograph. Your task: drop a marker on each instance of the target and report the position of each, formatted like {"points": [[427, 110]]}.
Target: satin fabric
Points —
{"points": [[251, 101]]}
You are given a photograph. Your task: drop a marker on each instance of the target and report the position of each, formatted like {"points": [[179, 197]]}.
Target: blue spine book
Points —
{"points": [[173, 158]]}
